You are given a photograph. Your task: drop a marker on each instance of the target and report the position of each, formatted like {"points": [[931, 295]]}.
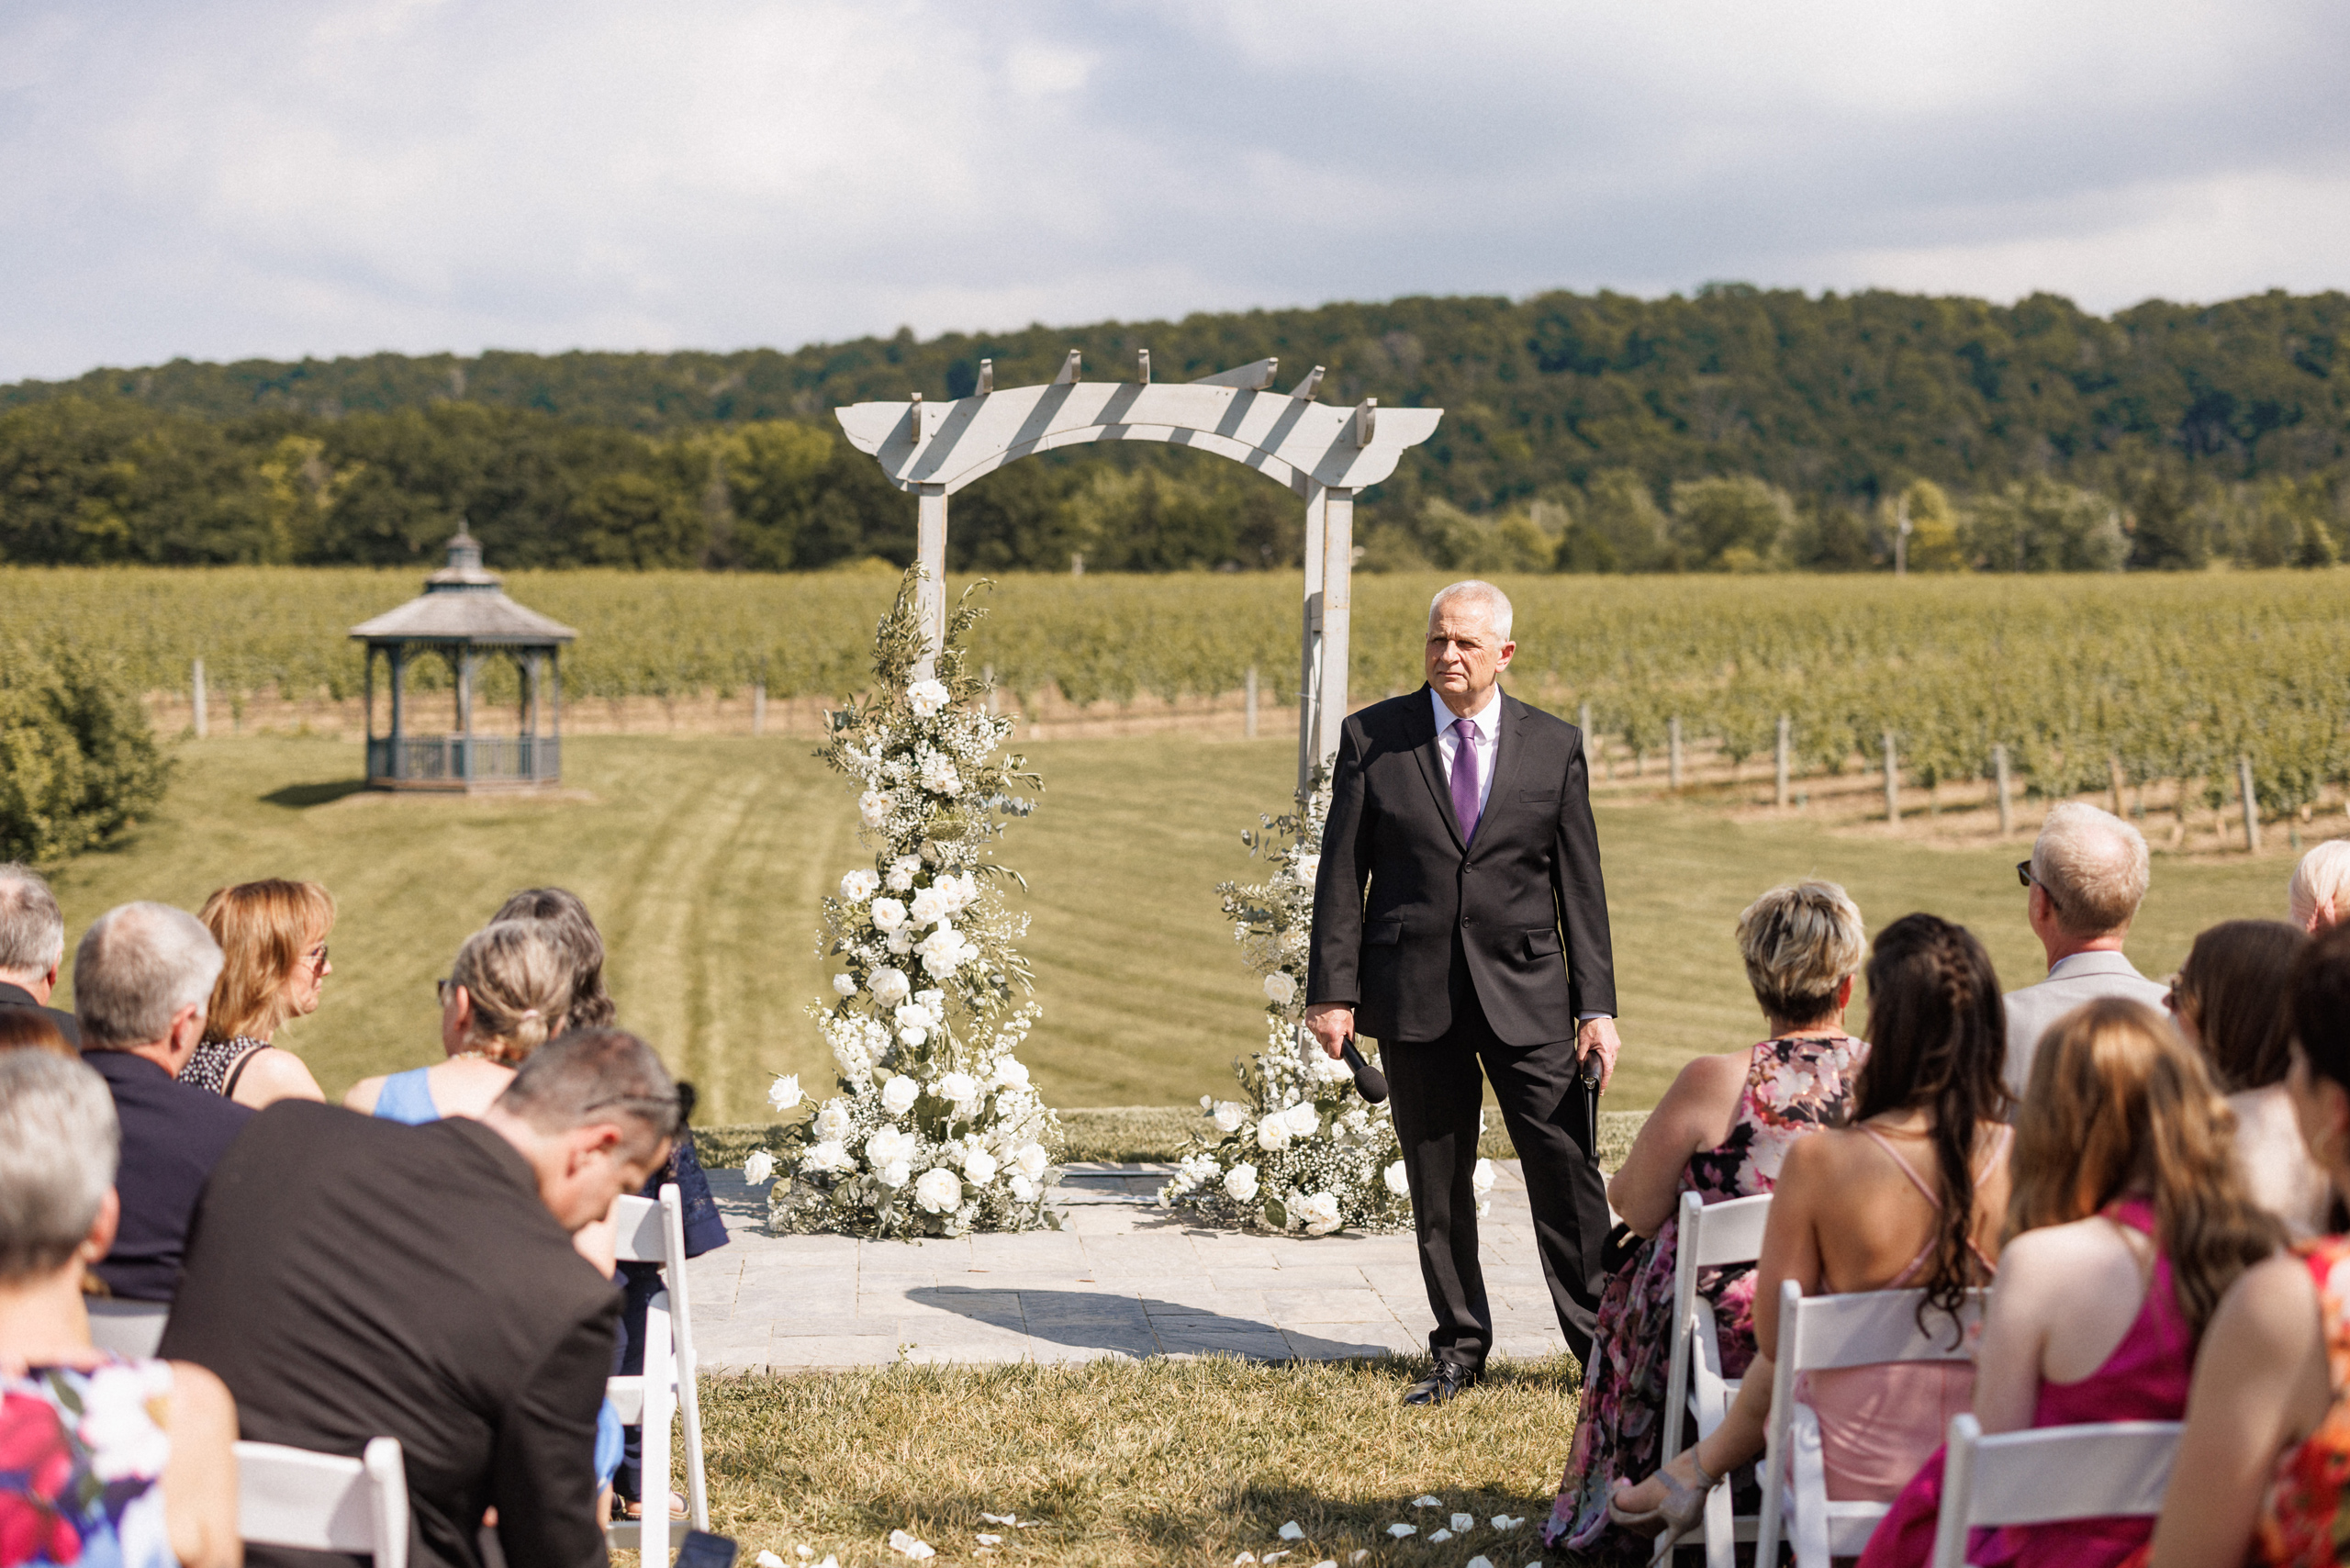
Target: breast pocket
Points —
{"points": [[1540, 799], [1543, 944]]}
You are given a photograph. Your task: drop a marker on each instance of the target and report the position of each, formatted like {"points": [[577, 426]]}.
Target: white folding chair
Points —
{"points": [[323, 1502], [1821, 1333], [2096, 1470], [1709, 1235], [652, 1232], [126, 1327]]}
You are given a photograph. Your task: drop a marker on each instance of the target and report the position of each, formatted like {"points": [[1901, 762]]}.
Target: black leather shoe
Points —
{"points": [[1448, 1381]]}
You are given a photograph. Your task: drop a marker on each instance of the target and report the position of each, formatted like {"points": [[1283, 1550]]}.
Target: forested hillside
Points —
{"points": [[1735, 430]]}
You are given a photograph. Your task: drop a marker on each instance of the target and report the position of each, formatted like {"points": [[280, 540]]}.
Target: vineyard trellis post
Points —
{"points": [[1999, 771], [759, 709], [1892, 781], [1780, 759], [1249, 726], [1673, 753], [2251, 802], [195, 682], [1327, 454]]}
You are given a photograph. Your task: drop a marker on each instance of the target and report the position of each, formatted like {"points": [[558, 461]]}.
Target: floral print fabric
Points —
{"points": [[2306, 1519], [1794, 1087], [82, 1454]]}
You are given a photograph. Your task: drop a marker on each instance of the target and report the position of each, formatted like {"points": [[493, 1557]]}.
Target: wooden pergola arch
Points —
{"points": [[1325, 454]]}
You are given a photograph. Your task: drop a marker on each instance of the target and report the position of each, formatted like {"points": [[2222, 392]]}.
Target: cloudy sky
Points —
{"points": [[194, 177]]}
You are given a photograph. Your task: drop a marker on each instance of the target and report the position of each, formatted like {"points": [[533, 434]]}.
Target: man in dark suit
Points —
{"points": [[33, 946], [142, 978], [1459, 919], [350, 1278]]}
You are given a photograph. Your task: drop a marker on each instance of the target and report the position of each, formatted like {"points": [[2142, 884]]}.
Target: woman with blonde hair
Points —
{"points": [[2128, 1221], [508, 994], [2318, 898], [272, 937]]}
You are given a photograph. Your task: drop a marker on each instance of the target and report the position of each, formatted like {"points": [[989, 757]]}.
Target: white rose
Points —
{"points": [[899, 1095], [833, 1122], [890, 987], [827, 1156], [1328, 1069], [1308, 867], [938, 775], [1320, 1211], [913, 1015], [957, 1089], [1228, 1114], [930, 906], [873, 808], [1303, 1121], [963, 891], [1480, 1180], [759, 1170], [901, 872], [1397, 1181], [899, 942], [889, 1146], [946, 950], [888, 914], [858, 886], [912, 1038], [844, 985], [1280, 988], [784, 1093], [894, 1174], [1272, 1134], [927, 697], [937, 1190], [1022, 1190], [1240, 1182], [1031, 1159], [1012, 1073], [979, 1166]]}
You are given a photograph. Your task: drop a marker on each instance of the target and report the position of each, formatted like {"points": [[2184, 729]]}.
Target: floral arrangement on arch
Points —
{"points": [[1300, 1151], [936, 1129]]}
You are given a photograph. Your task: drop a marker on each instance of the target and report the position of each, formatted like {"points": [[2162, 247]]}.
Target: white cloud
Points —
{"points": [[276, 179]]}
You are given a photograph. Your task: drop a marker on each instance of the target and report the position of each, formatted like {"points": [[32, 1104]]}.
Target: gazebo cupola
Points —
{"points": [[466, 618]]}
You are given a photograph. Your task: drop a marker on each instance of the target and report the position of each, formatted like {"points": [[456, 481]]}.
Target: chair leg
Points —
{"points": [[696, 1486], [1808, 1492], [660, 1402]]}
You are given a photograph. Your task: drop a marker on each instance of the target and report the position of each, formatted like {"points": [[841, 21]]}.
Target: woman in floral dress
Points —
{"points": [[1720, 1132]]}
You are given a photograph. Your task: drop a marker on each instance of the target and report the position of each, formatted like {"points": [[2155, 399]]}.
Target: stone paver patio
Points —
{"points": [[1123, 1278]]}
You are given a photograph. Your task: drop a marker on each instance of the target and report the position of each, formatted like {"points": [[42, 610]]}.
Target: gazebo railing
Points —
{"points": [[462, 759]]}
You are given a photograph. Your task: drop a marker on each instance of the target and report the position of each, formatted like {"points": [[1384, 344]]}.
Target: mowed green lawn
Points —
{"points": [[703, 859]]}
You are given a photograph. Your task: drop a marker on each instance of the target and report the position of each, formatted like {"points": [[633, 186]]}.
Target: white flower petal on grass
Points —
{"points": [[1400, 1531], [987, 1540], [767, 1560], [784, 1092], [759, 1169], [1480, 1560], [1463, 1523], [906, 1545], [1437, 1535], [1480, 1180], [1327, 1562], [1001, 1518], [1292, 1531], [1359, 1553], [1244, 1557], [1428, 1500], [1272, 1557], [1398, 1183], [1503, 1523]]}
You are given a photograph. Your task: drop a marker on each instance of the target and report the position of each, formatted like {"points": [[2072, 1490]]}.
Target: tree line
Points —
{"points": [[1735, 430]]}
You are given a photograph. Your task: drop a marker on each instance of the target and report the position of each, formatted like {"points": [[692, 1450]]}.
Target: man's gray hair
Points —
{"points": [[2093, 866], [32, 931], [137, 966], [592, 1076], [1800, 941], [1484, 595], [58, 1141]]}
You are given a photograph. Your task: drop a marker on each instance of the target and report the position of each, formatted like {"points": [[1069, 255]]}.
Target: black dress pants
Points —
{"points": [[1437, 1090]]}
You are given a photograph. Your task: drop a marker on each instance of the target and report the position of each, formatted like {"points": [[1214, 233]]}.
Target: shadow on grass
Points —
{"points": [[299, 796], [1134, 1326]]}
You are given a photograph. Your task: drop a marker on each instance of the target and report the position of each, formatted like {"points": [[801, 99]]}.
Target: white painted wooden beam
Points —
{"points": [[1256, 375], [1069, 367], [1311, 385]]}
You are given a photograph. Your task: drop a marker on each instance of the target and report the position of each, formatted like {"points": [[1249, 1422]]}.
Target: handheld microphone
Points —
{"points": [[1370, 1082]]}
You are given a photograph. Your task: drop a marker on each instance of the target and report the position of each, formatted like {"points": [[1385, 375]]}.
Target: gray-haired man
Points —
{"points": [[2088, 875], [32, 946]]}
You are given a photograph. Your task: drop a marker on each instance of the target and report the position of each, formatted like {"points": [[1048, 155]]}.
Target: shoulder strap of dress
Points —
{"points": [[236, 1069], [1890, 1153], [2000, 1141]]}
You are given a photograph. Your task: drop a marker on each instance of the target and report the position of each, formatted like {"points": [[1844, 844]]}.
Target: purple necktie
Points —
{"points": [[1464, 779]]}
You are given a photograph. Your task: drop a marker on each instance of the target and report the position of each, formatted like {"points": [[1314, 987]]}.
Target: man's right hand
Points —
{"points": [[1333, 1024]]}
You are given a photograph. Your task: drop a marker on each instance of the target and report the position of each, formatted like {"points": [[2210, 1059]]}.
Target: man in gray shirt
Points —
{"points": [[2088, 875]]}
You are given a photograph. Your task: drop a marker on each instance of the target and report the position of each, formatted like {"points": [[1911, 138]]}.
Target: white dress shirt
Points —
{"points": [[1487, 738]]}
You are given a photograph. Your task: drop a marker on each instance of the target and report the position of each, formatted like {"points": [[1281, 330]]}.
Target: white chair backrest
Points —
{"points": [[1727, 1232], [1868, 1327], [324, 1502], [2105, 1470], [131, 1329]]}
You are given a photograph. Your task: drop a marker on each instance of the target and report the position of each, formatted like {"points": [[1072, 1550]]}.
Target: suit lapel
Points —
{"points": [[1508, 751], [1423, 720]]}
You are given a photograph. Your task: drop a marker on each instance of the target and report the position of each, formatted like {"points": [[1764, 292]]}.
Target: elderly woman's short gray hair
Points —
{"points": [[58, 1141], [1800, 941]]}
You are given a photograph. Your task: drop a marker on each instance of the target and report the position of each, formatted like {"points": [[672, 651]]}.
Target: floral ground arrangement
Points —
{"points": [[1126, 1465], [936, 1130]]}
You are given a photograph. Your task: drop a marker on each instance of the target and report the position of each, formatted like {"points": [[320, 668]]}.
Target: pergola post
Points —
{"points": [[1338, 616], [1309, 642], [930, 549]]}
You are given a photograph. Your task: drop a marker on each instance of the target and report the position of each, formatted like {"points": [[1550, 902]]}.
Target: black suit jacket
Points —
{"points": [[12, 995], [173, 1135], [1397, 884], [350, 1278]]}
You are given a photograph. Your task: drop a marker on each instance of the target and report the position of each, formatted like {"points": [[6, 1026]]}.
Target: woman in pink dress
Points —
{"points": [[2131, 1218]]}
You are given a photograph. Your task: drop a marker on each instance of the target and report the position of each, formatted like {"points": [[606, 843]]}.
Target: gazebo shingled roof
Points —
{"points": [[463, 604]]}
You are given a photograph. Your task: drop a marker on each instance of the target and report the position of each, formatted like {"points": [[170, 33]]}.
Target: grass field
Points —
{"points": [[704, 857]]}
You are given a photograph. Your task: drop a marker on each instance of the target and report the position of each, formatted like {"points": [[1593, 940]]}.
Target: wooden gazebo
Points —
{"points": [[464, 618]]}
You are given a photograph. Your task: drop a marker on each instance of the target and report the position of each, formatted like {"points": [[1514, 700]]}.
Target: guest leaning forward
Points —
{"points": [[1459, 919]]}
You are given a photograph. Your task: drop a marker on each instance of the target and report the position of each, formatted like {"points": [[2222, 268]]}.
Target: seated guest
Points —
{"points": [[33, 946], [420, 1282], [2086, 876], [2129, 1221], [28, 1028], [1908, 1197], [273, 935], [142, 976], [2231, 1000], [2263, 1471], [574, 932], [508, 992], [2318, 898], [107, 1460], [1720, 1131]]}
